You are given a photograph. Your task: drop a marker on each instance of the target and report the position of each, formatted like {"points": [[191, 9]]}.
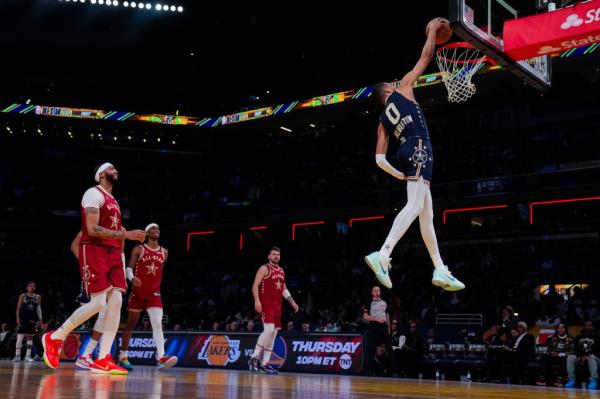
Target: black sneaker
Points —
{"points": [[253, 365], [267, 369]]}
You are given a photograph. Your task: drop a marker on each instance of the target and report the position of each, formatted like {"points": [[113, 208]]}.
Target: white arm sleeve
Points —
{"points": [[38, 310], [92, 198], [286, 294], [387, 167], [129, 273]]}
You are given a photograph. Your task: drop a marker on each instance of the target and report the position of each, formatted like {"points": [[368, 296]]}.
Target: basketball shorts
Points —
{"points": [[415, 156], [101, 269], [141, 300]]}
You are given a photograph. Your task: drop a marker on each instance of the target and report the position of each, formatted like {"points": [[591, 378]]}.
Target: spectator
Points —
{"points": [[216, 326], [234, 326], [586, 350], [411, 348], [493, 360], [250, 326], [5, 337], [147, 326], [177, 327], [519, 354], [306, 327], [560, 346], [290, 326]]}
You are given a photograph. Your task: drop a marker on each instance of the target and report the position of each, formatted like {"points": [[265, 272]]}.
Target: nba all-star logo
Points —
{"points": [[419, 157]]}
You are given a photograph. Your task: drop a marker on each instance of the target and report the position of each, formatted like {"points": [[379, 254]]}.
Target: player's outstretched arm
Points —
{"points": [[426, 56]]}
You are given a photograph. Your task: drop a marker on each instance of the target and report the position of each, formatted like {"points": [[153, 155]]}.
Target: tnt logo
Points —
{"points": [[572, 21], [345, 361]]}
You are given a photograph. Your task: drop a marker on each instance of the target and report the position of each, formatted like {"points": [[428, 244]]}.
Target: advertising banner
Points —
{"points": [[327, 353]]}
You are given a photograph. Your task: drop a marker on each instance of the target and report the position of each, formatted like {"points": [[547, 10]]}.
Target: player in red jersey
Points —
{"points": [[145, 272], [101, 268], [268, 289]]}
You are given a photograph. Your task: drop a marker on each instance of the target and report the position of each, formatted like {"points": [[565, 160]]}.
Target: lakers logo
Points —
{"points": [[219, 350]]}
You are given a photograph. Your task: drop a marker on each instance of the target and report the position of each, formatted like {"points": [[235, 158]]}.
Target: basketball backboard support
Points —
{"points": [[481, 23]]}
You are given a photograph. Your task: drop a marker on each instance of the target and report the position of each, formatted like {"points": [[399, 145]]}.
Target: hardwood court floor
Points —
{"points": [[22, 381]]}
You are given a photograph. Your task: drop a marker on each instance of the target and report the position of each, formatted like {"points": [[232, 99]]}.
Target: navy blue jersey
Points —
{"points": [[403, 118], [28, 310]]}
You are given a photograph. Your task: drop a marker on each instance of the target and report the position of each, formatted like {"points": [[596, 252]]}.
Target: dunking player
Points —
{"points": [[267, 289], [29, 314], [101, 268], [145, 271], [403, 119]]}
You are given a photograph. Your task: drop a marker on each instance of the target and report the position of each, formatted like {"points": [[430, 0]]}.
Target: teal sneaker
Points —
{"points": [[381, 271], [124, 362], [444, 279]]}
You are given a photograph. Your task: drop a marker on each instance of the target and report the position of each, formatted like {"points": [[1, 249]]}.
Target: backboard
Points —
{"points": [[481, 23]]}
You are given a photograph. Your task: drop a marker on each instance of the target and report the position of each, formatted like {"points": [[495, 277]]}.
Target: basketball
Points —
{"points": [[443, 34]]}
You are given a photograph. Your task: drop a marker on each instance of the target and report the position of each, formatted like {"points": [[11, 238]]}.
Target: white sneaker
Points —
{"points": [[83, 362], [443, 278], [29, 359], [17, 359], [381, 271]]}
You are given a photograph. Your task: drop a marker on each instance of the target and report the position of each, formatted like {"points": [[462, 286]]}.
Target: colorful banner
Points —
{"points": [[554, 32], [325, 353]]}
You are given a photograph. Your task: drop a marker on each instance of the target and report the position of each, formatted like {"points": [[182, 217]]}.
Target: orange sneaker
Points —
{"points": [[51, 350], [107, 366]]}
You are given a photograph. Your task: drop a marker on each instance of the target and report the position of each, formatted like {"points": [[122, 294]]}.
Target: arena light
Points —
{"points": [[255, 228], [285, 129], [560, 201], [478, 208], [158, 7], [304, 224], [197, 233], [351, 221]]}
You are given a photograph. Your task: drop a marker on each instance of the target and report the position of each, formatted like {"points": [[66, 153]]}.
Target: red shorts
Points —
{"points": [[270, 315], [141, 300], [101, 269]]}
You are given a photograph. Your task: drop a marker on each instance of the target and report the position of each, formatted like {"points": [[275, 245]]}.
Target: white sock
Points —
{"points": [[269, 346], [415, 191], [89, 348], [111, 322], [19, 345], [428, 230], [28, 350], [80, 315], [123, 355], [260, 344], [156, 315]]}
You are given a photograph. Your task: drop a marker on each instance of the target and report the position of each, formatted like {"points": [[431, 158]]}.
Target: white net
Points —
{"points": [[458, 64]]}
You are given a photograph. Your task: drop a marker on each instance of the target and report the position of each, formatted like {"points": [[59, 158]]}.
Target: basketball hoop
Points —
{"points": [[458, 62]]}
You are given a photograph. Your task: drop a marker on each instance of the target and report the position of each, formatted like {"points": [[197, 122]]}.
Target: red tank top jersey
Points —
{"points": [[149, 268], [272, 286], [110, 218]]}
